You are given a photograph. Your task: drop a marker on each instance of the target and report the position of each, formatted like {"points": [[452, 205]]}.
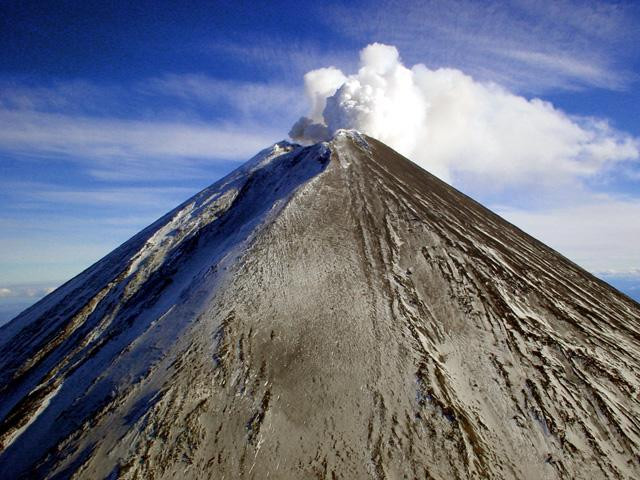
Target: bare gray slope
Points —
{"points": [[368, 321]]}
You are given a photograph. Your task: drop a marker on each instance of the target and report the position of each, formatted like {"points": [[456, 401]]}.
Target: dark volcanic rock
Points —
{"points": [[325, 312]]}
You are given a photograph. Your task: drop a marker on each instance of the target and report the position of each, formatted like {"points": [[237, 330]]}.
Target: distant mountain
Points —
{"points": [[330, 311]]}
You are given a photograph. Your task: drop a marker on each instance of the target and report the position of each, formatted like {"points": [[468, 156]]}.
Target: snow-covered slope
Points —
{"points": [[331, 311]]}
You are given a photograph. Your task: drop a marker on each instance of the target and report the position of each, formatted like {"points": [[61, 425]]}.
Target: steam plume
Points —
{"points": [[452, 125]]}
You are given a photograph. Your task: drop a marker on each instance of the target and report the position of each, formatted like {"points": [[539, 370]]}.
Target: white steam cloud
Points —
{"points": [[452, 125]]}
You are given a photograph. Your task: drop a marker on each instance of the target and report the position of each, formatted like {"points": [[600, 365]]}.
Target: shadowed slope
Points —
{"points": [[372, 322], [89, 346]]}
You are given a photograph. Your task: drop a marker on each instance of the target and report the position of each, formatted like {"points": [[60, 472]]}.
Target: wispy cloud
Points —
{"points": [[30, 193], [527, 45], [249, 99], [560, 70], [52, 133], [71, 96], [600, 233], [186, 95], [287, 60], [34, 224], [189, 122], [33, 291]]}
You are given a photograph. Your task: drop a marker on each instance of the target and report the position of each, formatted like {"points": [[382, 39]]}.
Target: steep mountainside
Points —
{"points": [[325, 312]]}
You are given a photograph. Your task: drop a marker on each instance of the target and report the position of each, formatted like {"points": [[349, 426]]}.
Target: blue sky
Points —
{"points": [[113, 113]]}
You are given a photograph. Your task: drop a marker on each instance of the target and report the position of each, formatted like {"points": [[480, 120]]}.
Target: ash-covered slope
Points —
{"points": [[333, 312]]}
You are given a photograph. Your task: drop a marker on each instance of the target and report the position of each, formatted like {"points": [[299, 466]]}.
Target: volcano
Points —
{"points": [[330, 311]]}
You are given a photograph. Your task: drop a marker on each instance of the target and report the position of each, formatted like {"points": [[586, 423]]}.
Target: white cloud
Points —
{"points": [[70, 95], [33, 291], [457, 127], [628, 273], [195, 122], [284, 60], [29, 131], [526, 45], [601, 234], [246, 98], [116, 196], [566, 71]]}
